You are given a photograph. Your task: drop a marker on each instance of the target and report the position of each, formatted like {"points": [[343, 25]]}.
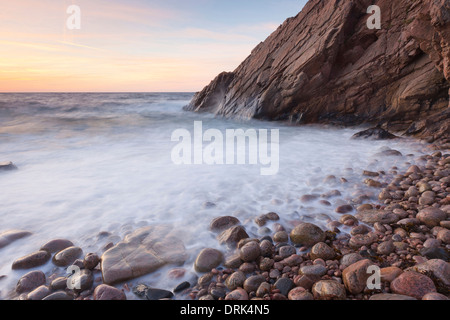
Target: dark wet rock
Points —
{"points": [[91, 260], [263, 289], [223, 223], [67, 256], [284, 285], [233, 261], [306, 281], [252, 283], [39, 293], [30, 281], [264, 218], [307, 234], [32, 260], [158, 294], [286, 251], [181, 287], [267, 248], [346, 208], [108, 293], [59, 284], [281, 237], [376, 133], [386, 248], [250, 251], [57, 245]]}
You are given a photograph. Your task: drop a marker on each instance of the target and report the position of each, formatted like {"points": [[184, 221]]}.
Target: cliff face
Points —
{"points": [[326, 66]]}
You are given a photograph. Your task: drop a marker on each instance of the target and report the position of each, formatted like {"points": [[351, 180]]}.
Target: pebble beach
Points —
{"points": [[404, 235]]}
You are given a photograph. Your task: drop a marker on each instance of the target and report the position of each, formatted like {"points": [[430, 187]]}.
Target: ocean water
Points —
{"points": [[95, 164]]}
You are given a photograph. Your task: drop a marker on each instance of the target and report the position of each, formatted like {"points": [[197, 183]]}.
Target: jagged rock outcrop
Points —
{"points": [[326, 66]]}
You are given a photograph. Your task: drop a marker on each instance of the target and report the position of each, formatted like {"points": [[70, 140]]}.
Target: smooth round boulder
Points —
{"points": [[105, 292], [67, 256], [431, 216], [223, 223], [413, 284], [250, 251], [32, 260], [322, 251], [235, 280], [252, 283], [57, 245], [307, 234], [300, 294], [30, 281], [208, 259]]}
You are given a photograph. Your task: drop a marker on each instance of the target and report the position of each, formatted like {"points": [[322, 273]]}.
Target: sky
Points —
{"points": [[130, 45]]}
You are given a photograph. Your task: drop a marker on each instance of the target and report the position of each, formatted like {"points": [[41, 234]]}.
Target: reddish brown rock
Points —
{"points": [[355, 276], [329, 290], [390, 273], [30, 281], [57, 245], [105, 292], [208, 259], [31, 260], [413, 284], [223, 223], [324, 66]]}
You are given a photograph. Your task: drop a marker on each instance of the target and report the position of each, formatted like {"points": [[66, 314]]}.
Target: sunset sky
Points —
{"points": [[130, 45]]}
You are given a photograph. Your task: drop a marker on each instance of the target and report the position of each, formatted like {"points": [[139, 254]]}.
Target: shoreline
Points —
{"points": [[333, 266]]}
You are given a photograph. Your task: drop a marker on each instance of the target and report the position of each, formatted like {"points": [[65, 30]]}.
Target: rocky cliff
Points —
{"points": [[326, 66]]}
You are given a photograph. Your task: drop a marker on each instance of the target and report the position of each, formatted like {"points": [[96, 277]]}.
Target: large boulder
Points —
{"points": [[324, 66], [142, 252]]}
